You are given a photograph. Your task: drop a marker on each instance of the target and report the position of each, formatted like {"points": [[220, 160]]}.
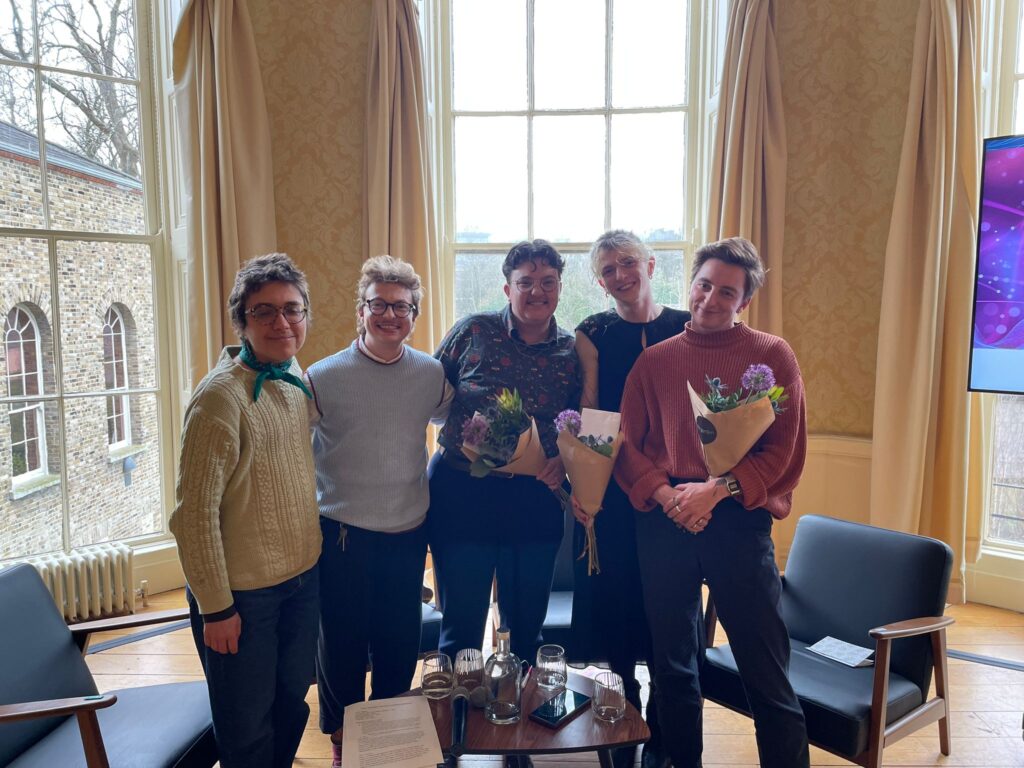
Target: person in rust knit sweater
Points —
{"points": [[693, 528]]}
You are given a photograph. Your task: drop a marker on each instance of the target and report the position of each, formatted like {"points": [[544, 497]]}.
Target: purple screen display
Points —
{"points": [[999, 292]]}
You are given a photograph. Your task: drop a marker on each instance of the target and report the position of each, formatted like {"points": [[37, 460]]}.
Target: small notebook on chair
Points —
{"points": [[845, 653]]}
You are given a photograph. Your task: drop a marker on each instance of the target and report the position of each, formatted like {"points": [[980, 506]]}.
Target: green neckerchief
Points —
{"points": [[272, 371]]}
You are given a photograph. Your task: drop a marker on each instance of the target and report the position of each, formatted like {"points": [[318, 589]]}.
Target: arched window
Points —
{"points": [[25, 379], [115, 377]]}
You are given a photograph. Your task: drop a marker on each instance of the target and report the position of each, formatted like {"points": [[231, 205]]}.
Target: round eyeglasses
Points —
{"points": [[400, 308], [266, 314], [548, 284]]}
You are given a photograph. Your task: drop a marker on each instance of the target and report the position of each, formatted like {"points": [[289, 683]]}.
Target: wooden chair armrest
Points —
{"points": [[911, 627], [80, 632], [30, 710]]}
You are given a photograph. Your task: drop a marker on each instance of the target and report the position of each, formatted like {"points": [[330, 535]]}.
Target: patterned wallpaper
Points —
{"points": [[846, 71], [313, 57], [846, 75]]}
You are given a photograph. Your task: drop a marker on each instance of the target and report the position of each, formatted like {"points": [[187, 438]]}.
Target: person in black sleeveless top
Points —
{"points": [[608, 606]]}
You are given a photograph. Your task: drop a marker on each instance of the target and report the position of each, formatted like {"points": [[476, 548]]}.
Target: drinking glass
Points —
{"points": [[609, 697], [469, 668], [436, 680], [550, 667]]}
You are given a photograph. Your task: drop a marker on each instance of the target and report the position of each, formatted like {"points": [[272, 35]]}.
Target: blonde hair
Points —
{"points": [[618, 241], [386, 269]]}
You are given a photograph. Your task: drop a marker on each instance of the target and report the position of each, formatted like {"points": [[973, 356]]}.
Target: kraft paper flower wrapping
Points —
{"points": [[588, 449], [728, 436], [528, 457]]}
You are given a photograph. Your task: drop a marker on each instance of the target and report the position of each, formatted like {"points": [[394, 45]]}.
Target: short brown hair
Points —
{"points": [[537, 251], [737, 251], [256, 273], [387, 269]]}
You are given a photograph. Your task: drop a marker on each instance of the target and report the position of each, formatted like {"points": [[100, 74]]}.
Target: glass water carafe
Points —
{"points": [[503, 677]]}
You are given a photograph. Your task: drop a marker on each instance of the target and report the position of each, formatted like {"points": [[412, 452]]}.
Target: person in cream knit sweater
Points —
{"points": [[246, 522]]}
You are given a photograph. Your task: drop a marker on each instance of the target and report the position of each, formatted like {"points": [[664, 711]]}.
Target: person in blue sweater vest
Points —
{"points": [[372, 404]]}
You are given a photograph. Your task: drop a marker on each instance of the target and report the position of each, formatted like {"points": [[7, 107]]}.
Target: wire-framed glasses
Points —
{"points": [[266, 314], [548, 284]]}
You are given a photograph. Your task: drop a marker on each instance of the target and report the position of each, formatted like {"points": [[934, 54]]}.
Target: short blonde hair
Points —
{"points": [[386, 269], [618, 241]]}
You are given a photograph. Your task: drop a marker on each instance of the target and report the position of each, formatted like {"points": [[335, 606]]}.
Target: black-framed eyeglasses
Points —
{"points": [[266, 314], [400, 308], [548, 284]]}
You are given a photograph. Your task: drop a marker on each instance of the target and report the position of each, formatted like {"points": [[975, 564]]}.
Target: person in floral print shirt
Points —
{"points": [[504, 526]]}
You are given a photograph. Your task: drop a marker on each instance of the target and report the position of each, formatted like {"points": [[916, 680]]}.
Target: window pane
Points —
{"points": [[16, 39], [96, 36], [105, 274], [581, 295], [479, 283], [569, 44], [489, 53], [649, 53], [108, 497], [490, 179], [568, 186], [670, 281], [650, 204], [30, 506], [26, 284], [21, 194], [93, 176], [1006, 515], [1018, 112]]}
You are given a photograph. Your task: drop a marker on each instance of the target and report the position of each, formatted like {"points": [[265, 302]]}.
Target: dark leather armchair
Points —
{"points": [[874, 588], [51, 713]]}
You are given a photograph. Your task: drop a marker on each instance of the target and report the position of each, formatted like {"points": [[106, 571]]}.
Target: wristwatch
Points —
{"points": [[731, 484]]}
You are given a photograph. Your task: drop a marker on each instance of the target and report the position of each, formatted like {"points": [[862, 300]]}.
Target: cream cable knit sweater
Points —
{"points": [[246, 514]]}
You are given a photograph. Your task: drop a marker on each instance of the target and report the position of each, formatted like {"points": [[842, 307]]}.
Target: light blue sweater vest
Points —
{"points": [[370, 443]]}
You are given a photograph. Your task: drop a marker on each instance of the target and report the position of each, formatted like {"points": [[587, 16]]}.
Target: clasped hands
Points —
{"points": [[689, 505]]}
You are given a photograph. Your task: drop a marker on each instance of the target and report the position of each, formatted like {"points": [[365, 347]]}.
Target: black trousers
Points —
{"points": [[736, 556], [491, 528], [371, 588]]}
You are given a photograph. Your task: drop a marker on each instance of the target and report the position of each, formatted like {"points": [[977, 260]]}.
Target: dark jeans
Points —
{"points": [[371, 590], [258, 695], [736, 557], [503, 545]]}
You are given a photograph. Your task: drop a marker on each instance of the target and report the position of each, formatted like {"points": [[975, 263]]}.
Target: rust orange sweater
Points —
{"points": [[659, 432]]}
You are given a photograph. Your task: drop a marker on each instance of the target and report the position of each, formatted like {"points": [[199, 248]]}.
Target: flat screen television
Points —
{"points": [[997, 345]]}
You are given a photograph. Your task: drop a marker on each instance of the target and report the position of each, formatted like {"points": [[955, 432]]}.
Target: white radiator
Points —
{"points": [[89, 583]]}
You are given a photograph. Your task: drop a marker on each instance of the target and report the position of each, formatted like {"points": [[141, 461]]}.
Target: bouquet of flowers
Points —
{"points": [[504, 437], [588, 444], [730, 424]]}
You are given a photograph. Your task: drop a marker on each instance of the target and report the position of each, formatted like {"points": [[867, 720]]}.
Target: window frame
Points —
{"points": [[24, 403], [704, 23], [162, 183], [996, 578], [119, 340]]}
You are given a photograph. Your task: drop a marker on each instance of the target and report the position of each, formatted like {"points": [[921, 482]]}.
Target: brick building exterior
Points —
{"points": [[113, 486]]}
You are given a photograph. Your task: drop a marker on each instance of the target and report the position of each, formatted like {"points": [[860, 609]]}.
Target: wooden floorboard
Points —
{"points": [[986, 701]]}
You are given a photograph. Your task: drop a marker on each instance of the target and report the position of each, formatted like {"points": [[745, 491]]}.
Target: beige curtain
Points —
{"points": [[399, 208], [748, 172], [921, 461], [229, 175]]}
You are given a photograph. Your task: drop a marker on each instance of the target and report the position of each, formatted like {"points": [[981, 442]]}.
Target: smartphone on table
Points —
{"points": [[560, 708]]}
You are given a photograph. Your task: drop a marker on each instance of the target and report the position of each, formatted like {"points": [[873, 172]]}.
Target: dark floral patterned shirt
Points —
{"points": [[483, 353]]}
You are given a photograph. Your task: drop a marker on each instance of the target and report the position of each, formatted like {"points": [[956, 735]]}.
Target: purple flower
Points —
{"points": [[758, 378], [474, 431], [569, 421]]}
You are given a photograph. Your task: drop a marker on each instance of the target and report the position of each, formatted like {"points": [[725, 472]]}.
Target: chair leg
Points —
{"points": [[92, 740], [939, 654], [879, 699]]}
